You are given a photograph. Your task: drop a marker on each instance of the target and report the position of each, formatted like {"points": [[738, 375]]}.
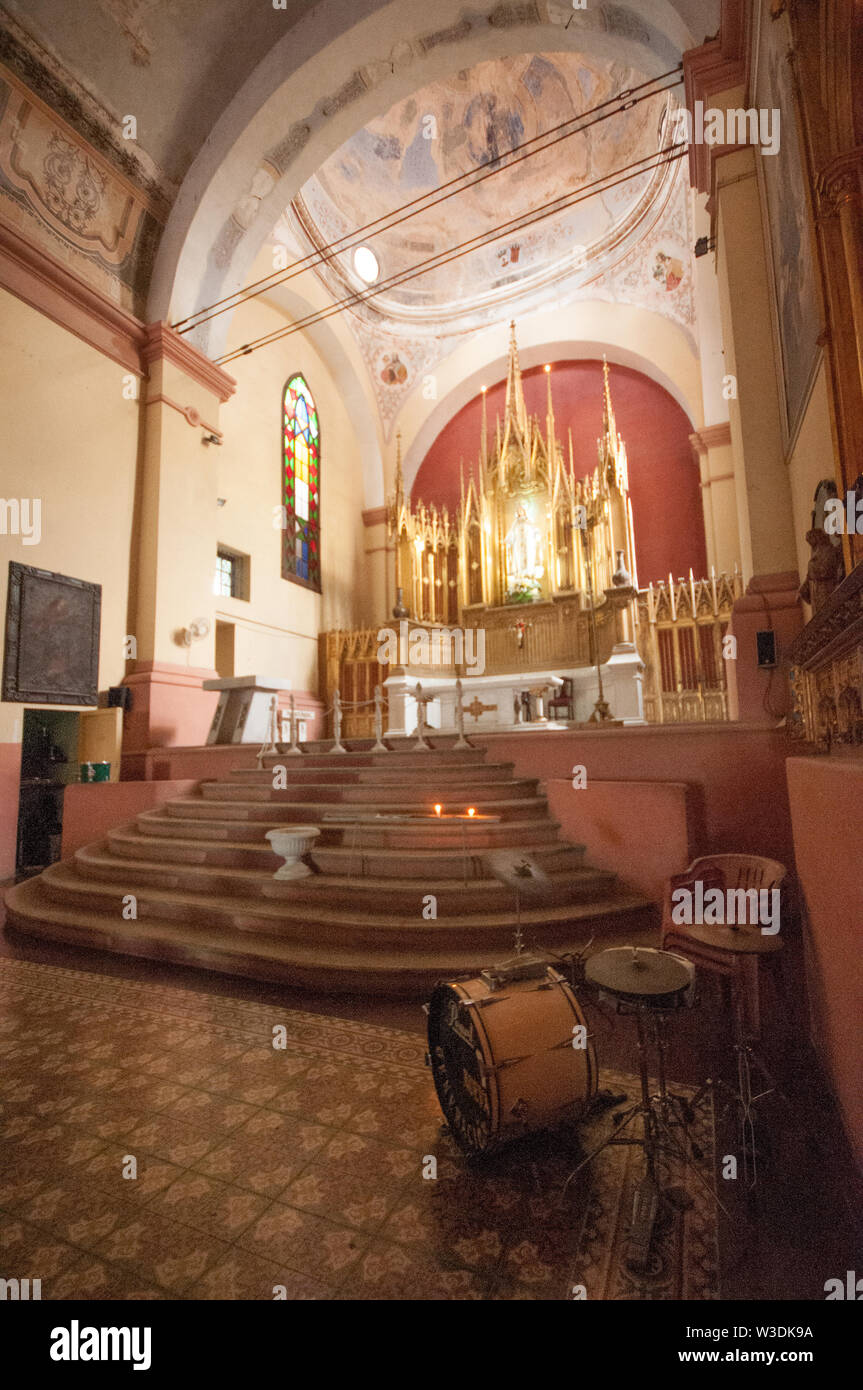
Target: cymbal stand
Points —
{"points": [[657, 1134], [749, 1062]]}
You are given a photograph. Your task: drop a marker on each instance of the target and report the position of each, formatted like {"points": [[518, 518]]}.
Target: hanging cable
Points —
{"points": [[519, 223], [624, 101]]}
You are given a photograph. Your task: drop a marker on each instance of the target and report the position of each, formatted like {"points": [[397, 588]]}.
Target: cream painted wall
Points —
{"points": [[70, 439], [277, 629]]}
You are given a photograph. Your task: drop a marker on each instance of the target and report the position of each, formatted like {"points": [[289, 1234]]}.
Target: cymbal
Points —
{"points": [[520, 871], [638, 970], [746, 939]]}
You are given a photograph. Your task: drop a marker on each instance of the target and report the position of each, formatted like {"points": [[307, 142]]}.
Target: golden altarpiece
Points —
{"points": [[527, 530], [542, 563]]}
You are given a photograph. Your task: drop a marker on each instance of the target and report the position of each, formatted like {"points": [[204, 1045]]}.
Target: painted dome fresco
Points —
{"points": [[466, 123]]}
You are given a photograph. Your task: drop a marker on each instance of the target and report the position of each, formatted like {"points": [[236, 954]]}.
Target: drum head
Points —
{"points": [[457, 1067]]}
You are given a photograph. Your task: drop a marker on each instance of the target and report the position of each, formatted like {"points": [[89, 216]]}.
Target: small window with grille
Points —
{"points": [[231, 577]]}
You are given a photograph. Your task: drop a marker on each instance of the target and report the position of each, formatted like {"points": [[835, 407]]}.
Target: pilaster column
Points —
{"points": [[714, 456], [716, 74], [763, 493], [171, 582], [380, 553]]}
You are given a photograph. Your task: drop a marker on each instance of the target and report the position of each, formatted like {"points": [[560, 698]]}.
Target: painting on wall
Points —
{"points": [[787, 219], [52, 638]]}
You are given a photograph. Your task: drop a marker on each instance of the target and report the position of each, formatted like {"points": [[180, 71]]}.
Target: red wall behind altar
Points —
{"points": [[663, 478]]}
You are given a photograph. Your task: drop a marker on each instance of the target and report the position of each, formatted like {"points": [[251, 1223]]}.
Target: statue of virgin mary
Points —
{"points": [[523, 543]]}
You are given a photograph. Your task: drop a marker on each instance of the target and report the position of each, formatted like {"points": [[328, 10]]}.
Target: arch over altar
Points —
{"points": [[537, 566]]}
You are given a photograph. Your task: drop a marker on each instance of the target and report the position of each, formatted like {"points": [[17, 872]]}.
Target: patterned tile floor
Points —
{"points": [[257, 1167]]}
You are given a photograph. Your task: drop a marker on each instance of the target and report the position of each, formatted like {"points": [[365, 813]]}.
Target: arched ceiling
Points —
{"points": [[173, 64], [243, 106], [239, 102]]}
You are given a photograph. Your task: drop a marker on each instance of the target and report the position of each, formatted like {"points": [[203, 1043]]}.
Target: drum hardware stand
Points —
{"points": [[656, 1135], [573, 962], [749, 1061]]}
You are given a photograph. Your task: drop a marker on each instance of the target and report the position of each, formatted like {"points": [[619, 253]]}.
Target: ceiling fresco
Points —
{"points": [[463, 124], [627, 245]]}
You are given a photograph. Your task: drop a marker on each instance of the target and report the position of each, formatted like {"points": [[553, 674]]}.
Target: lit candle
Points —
{"points": [[471, 810], [437, 810]]}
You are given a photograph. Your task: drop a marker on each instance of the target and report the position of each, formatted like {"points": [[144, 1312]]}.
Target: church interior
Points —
{"points": [[431, 726]]}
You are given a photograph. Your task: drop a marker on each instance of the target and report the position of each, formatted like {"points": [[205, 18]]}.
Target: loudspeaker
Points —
{"points": [[766, 647], [119, 696]]}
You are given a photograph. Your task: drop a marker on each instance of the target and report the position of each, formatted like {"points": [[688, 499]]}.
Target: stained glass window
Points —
{"points": [[301, 486]]}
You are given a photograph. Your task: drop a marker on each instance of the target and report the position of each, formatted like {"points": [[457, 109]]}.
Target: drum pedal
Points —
{"points": [[645, 1206]]}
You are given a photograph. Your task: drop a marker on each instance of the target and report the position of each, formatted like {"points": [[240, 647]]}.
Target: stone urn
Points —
{"points": [[291, 842], [621, 578]]}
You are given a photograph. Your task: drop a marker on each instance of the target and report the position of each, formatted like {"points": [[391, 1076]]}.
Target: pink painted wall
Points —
{"points": [[826, 796], [609, 819], [214, 760], [168, 706], [90, 810], [754, 693], [737, 797], [664, 480], [200, 763]]}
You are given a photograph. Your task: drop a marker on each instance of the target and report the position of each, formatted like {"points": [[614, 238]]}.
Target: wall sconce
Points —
{"points": [[211, 439]]}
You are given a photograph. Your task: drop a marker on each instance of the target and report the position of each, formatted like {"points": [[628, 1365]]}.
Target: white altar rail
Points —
{"points": [[679, 630]]}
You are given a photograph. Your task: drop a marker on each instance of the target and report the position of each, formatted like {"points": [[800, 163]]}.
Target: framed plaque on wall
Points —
{"points": [[52, 638]]}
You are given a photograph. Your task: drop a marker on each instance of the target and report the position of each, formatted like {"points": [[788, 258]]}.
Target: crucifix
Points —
{"points": [[461, 741], [476, 708], [422, 700]]}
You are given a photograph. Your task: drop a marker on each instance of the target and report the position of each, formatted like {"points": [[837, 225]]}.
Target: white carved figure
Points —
{"points": [[523, 544]]}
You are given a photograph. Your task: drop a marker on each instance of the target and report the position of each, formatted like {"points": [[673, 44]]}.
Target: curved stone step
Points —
{"points": [[202, 876], [324, 936], [325, 924], [458, 795], [312, 812], [363, 892], [395, 759], [348, 970], [297, 773], [483, 835], [128, 842]]}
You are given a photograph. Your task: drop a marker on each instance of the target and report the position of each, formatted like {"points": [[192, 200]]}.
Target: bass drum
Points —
{"points": [[504, 1060]]}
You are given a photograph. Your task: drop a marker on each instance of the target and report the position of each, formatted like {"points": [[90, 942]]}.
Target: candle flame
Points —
{"points": [[471, 810], [437, 810]]}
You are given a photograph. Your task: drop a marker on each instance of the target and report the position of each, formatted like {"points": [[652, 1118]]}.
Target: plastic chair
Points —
{"points": [[746, 871]]}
